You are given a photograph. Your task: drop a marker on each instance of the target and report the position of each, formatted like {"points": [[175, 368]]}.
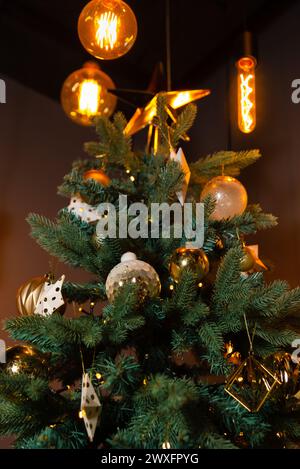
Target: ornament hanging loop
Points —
{"points": [[251, 352]]}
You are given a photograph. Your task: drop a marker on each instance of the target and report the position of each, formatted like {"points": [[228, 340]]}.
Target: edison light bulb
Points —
{"points": [[246, 94], [107, 28], [84, 94]]}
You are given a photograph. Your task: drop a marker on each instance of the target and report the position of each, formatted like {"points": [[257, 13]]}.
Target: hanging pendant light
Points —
{"points": [[84, 94], [246, 85], [107, 28]]}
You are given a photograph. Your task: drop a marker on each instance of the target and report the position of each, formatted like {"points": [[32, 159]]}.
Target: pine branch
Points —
{"points": [[80, 293], [23, 387], [184, 122], [252, 220], [232, 162], [67, 239], [114, 147], [184, 294], [121, 376], [121, 317], [215, 441], [56, 333], [63, 436]]}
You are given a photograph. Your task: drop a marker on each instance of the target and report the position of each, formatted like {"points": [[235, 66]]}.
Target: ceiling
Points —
{"points": [[39, 44]]}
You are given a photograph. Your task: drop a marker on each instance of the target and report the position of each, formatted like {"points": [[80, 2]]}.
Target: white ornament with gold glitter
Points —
{"points": [[90, 406], [132, 270], [180, 158], [84, 211], [50, 299]]}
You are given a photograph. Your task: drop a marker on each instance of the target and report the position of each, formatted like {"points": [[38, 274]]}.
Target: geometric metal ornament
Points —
{"points": [[90, 406], [251, 384]]}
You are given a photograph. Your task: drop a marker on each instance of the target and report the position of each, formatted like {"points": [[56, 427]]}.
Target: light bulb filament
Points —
{"points": [[89, 97], [246, 94], [246, 104], [107, 32]]}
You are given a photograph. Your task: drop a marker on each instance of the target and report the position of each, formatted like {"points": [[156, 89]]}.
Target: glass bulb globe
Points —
{"points": [[229, 194], [84, 94], [246, 94], [107, 28]]}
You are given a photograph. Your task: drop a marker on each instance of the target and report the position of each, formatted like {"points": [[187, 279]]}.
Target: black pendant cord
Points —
{"points": [[228, 105], [168, 46]]}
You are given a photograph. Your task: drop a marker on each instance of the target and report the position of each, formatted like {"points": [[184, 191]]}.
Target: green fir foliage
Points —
{"points": [[158, 364]]}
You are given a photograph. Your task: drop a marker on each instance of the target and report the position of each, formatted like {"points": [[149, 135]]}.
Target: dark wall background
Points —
{"points": [[274, 180], [38, 144]]}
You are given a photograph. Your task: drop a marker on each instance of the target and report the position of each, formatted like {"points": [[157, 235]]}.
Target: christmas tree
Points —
{"points": [[193, 348]]}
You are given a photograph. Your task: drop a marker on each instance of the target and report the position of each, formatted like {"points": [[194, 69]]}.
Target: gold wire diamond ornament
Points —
{"points": [[251, 384]]}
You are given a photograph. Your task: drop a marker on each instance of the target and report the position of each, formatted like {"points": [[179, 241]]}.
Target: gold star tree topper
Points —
{"points": [[174, 100]]}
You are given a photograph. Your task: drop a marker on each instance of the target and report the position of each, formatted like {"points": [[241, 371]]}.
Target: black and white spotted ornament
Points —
{"points": [[50, 299], [86, 212], [90, 406]]}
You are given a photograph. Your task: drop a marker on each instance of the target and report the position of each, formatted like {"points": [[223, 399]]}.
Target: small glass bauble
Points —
{"points": [[193, 259], [247, 261], [97, 175]]}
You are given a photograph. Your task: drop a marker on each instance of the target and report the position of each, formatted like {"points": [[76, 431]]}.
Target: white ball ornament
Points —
{"points": [[229, 194], [132, 270]]}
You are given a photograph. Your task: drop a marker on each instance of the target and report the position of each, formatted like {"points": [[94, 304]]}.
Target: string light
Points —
{"points": [[15, 369]]}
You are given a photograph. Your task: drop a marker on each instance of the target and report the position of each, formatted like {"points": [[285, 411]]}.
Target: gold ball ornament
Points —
{"points": [[247, 261], [97, 175], [85, 95], [193, 259], [229, 194], [132, 270], [24, 359], [107, 29], [97, 241], [28, 295]]}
